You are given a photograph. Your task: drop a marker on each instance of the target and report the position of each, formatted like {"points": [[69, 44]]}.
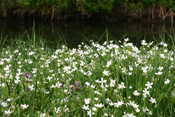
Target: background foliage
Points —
{"points": [[152, 8]]}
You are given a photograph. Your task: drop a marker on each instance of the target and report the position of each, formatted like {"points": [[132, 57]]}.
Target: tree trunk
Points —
{"points": [[160, 7], [171, 15], [167, 13], [140, 13], [149, 12], [53, 10], [152, 13]]}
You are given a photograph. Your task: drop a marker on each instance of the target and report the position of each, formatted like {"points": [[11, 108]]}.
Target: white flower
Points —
{"points": [[31, 87], [145, 109], [152, 100], [108, 63], [97, 81], [87, 83], [1, 62], [58, 84], [106, 73], [93, 86], [6, 68], [136, 93], [4, 104], [143, 42], [135, 106], [165, 45], [121, 86], [106, 114], [99, 105], [118, 104], [94, 108], [115, 90], [130, 87], [111, 103], [144, 69], [42, 114], [89, 113], [145, 92], [127, 39], [159, 73], [96, 98], [112, 84], [167, 81], [49, 78], [106, 85], [128, 115], [17, 81], [103, 81], [8, 112], [139, 60], [87, 100], [137, 110], [108, 100], [149, 85], [162, 56], [9, 99], [31, 53], [24, 106], [160, 68], [66, 68], [57, 109], [150, 113], [85, 107], [19, 62], [124, 70], [129, 73], [112, 81], [53, 86], [171, 59], [129, 97], [30, 62], [135, 49]]}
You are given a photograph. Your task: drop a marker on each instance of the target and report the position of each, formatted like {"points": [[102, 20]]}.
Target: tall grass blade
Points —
{"points": [[2, 41], [33, 34]]}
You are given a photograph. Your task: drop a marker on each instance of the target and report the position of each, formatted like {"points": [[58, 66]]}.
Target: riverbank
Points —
{"points": [[89, 10], [115, 15]]}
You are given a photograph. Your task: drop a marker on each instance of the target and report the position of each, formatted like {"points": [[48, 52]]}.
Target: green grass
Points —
{"points": [[109, 79]]}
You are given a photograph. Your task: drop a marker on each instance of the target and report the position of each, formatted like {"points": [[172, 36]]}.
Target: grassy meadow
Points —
{"points": [[113, 79]]}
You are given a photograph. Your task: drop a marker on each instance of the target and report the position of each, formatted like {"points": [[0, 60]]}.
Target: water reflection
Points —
{"points": [[73, 32]]}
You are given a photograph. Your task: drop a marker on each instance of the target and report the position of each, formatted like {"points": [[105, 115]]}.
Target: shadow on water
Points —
{"points": [[73, 32]]}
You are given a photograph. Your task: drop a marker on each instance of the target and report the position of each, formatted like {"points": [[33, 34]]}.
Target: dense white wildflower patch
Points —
{"points": [[105, 80]]}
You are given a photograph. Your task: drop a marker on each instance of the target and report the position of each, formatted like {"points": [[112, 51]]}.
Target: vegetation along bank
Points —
{"points": [[89, 9]]}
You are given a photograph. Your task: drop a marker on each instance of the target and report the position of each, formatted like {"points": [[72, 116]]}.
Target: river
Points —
{"points": [[74, 32]]}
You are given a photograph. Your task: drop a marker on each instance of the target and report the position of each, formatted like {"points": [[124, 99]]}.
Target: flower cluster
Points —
{"points": [[91, 80]]}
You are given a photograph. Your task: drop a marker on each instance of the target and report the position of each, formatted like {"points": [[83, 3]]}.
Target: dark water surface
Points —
{"points": [[74, 32]]}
